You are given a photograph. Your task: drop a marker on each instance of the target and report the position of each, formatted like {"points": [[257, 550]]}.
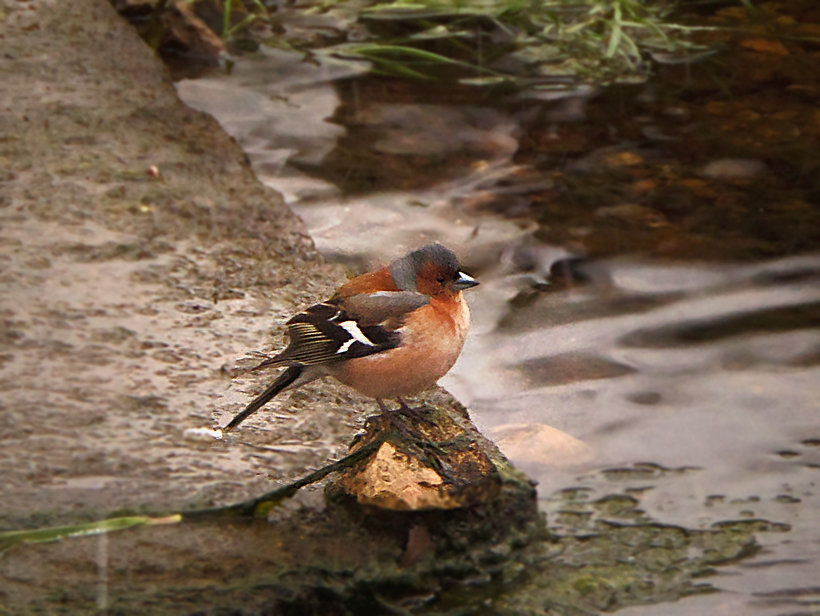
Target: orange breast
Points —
{"points": [[432, 340]]}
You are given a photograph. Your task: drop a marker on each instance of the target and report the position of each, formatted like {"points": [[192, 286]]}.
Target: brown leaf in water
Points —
{"points": [[761, 45]]}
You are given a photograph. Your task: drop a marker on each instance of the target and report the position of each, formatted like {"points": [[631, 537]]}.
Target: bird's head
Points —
{"points": [[432, 270]]}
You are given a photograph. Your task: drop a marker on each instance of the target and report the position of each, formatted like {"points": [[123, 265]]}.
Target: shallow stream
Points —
{"points": [[648, 317]]}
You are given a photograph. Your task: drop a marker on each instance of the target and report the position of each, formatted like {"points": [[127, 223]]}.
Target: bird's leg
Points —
{"points": [[396, 417], [418, 413]]}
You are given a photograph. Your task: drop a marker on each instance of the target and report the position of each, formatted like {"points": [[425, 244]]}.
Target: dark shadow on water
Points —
{"points": [[771, 320]]}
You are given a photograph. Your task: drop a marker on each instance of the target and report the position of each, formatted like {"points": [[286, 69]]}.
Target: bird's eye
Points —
{"points": [[440, 279]]}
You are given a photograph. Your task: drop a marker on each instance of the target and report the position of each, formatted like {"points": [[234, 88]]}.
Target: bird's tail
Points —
{"points": [[284, 379]]}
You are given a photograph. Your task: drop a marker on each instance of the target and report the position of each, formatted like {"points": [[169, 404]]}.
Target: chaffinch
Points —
{"points": [[388, 333]]}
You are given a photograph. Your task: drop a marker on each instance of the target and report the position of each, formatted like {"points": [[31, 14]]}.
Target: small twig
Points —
{"points": [[260, 506], [255, 508]]}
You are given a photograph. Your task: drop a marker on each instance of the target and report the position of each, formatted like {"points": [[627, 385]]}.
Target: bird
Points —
{"points": [[388, 333]]}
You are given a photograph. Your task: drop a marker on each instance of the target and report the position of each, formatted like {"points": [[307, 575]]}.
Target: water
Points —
{"points": [[676, 362]]}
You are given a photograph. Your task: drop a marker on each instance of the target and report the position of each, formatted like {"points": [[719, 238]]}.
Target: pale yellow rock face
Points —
{"points": [[394, 480], [426, 458]]}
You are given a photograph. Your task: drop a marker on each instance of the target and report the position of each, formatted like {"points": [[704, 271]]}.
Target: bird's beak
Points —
{"points": [[464, 282]]}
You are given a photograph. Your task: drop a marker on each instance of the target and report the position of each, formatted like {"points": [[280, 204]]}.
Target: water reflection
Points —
{"points": [[691, 386], [709, 375]]}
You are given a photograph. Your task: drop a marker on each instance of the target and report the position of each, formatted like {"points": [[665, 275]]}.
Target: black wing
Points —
{"points": [[327, 333]]}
